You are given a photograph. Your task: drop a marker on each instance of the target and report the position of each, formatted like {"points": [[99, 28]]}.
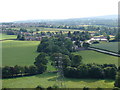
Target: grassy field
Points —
{"points": [[50, 29], [45, 29], [4, 36], [111, 46], [18, 52], [24, 53], [90, 56], [49, 79]]}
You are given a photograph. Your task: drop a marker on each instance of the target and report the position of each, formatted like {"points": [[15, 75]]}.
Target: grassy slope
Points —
{"points": [[48, 79], [96, 57], [111, 46]]}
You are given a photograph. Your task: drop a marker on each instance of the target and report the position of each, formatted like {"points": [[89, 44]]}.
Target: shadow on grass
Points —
{"points": [[46, 75], [53, 77], [87, 80], [109, 80]]}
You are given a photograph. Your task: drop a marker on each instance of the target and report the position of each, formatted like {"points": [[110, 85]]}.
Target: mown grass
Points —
{"points": [[4, 36], [111, 46], [90, 56], [49, 79], [21, 53], [18, 52]]}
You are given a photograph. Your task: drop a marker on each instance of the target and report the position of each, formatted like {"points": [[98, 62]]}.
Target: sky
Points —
{"points": [[15, 10]]}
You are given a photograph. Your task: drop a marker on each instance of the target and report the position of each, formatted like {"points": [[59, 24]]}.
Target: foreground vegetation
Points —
{"points": [[49, 79]]}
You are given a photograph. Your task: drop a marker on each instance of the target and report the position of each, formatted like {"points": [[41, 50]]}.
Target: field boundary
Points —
{"points": [[7, 39], [104, 51]]}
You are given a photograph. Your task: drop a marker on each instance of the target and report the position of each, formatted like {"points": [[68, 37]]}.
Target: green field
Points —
{"points": [[18, 52], [90, 56], [49, 79], [111, 46], [24, 52], [45, 29], [4, 36]]}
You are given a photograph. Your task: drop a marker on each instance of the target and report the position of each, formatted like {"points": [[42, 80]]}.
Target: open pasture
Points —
{"points": [[24, 52], [49, 79], [110, 46], [4, 36], [90, 56], [18, 52]]}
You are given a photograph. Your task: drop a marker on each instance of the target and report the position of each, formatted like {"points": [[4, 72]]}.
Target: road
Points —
{"points": [[102, 51]]}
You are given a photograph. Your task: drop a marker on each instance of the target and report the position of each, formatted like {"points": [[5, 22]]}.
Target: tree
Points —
{"points": [[58, 58], [33, 70], [37, 29], [6, 72], [86, 45], [68, 44], [10, 33], [117, 37], [41, 62], [69, 34], [18, 36], [110, 72], [76, 60], [23, 30], [117, 80], [22, 38], [108, 37], [96, 72], [26, 70], [17, 69], [78, 43], [119, 52]]}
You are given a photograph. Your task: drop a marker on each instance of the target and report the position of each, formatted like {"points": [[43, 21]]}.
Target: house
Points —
{"points": [[31, 38]]}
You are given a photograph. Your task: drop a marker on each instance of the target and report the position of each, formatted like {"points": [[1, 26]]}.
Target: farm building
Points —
{"points": [[97, 39]]}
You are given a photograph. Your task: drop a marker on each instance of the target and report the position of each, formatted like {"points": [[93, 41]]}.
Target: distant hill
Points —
{"points": [[51, 20], [107, 17], [107, 20]]}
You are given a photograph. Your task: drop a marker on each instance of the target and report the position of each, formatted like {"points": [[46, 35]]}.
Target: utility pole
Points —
{"points": [[60, 76]]}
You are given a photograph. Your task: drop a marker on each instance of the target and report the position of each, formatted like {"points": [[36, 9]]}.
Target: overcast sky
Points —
{"points": [[14, 10]]}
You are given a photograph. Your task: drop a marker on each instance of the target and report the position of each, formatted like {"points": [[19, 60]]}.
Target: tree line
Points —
{"points": [[18, 71], [91, 71], [40, 66]]}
